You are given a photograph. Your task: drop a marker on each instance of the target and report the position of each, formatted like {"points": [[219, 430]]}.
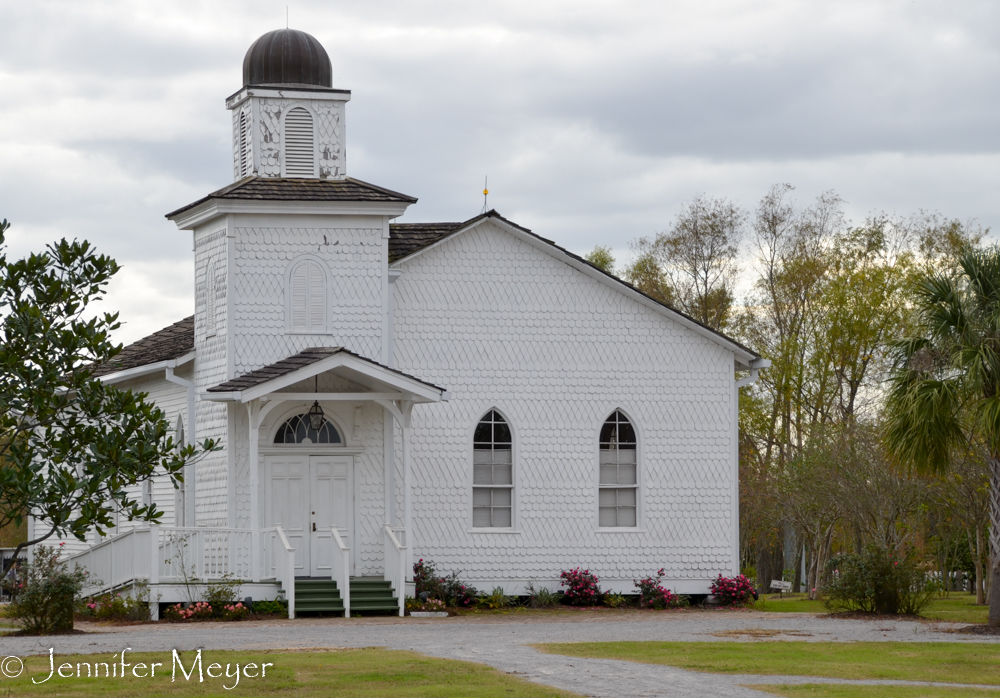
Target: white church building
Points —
{"points": [[469, 393]]}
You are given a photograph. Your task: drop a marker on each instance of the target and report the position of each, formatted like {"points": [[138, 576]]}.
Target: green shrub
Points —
{"points": [[613, 599], [452, 590], [496, 600], [879, 581], [47, 593], [222, 593], [134, 606], [264, 607], [541, 597]]}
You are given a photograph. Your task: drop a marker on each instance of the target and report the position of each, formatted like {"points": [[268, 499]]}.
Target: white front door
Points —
{"points": [[331, 506], [308, 495], [288, 503]]}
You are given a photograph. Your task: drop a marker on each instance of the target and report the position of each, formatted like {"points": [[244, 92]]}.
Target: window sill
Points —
{"points": [[509, 531], [621, 529]]}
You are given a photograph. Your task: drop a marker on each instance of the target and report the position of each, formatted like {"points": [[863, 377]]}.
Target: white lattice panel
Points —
{"points": [[500, 323]]}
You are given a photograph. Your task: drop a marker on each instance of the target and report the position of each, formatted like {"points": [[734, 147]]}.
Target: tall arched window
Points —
{"points": [[617, 493], [210, 293], [307, 297], [492, 473], [297, 430], [300, 159]]}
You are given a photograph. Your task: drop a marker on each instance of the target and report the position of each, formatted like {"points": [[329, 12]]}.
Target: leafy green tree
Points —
{"points": [[945, 381], [602, 258], [646, 275], [698, 256], [72, 448]]}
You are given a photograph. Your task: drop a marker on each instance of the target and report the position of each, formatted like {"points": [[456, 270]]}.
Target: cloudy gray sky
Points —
{"points": [[593, 120]]}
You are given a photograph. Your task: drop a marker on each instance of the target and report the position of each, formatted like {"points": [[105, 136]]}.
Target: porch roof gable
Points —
{"points": [[314, 361]]}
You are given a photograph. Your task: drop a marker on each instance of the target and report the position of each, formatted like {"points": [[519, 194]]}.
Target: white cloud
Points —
{"points": [[594, 120]]}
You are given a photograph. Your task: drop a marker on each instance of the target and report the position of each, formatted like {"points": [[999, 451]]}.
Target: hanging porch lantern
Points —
{"points": [[316, 417]]}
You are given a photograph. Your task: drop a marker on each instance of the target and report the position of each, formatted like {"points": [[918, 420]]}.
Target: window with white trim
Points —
{"points": [[492, 473], [299, 156], [618, 489], [307, 297]]}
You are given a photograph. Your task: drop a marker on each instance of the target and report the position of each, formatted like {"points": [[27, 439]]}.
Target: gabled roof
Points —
{"points": [[245, 385], [438, 232], [171, 342], [290, 189], [407, 238]]}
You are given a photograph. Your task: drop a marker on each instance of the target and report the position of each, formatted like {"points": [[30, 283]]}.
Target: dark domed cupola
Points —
{"points": [[287, 57]]}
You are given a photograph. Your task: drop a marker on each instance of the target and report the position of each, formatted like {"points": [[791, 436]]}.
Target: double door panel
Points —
{"points": [[307, 495]]}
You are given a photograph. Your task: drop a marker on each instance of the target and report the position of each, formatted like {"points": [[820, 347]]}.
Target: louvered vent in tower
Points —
{"points": [[299, 156], [245, 166]]}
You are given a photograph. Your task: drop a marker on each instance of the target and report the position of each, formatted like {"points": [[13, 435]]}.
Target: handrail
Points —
{"points": [[395, 565], [344, 569], [289, 572]]}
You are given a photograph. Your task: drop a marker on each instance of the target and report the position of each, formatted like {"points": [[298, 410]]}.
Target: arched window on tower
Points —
{"points": [[307, 297], [300, 158]]}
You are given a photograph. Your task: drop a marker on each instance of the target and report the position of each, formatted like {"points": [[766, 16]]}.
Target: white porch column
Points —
{"points": [[389, 463], [407, 487], [253, 410]]}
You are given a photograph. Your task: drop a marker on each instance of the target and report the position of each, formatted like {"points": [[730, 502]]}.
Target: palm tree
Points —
{"points": [[945, 381]]}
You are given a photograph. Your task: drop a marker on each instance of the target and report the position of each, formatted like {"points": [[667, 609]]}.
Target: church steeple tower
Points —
{"points": [[288, 121]]}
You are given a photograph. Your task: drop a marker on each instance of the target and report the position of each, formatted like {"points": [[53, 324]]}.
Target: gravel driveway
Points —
{"points": [[503, 641]]}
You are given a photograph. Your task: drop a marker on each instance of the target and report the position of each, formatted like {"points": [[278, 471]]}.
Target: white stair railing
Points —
{"points": [[395, 565], [341, 572], [285, 564], [116, 561]]}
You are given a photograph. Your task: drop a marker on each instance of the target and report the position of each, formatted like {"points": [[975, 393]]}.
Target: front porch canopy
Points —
{"points": [[266, 388]]}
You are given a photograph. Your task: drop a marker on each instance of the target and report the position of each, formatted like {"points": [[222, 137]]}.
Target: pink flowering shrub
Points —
{"points": [[581, 587], [118, 607], [732, 591], [196, 611], [652, 594], [235, 611], [451, 590]]}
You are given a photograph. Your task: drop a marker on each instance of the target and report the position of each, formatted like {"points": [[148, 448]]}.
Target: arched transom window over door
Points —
{"points": [[618, 492], [297, 430], [492, 473], [307, 297]]}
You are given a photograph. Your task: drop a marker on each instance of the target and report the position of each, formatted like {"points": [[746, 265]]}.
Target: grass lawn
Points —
{"points": [[848, 691], [370, 672], [907, 661], [958, 607]]}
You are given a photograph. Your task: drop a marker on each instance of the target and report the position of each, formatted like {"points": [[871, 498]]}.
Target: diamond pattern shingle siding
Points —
{"points": [[505, 325]]}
